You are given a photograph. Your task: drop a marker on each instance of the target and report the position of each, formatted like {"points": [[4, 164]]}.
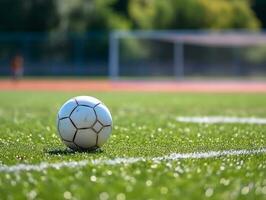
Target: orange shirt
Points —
{"points": [[17, 63]]}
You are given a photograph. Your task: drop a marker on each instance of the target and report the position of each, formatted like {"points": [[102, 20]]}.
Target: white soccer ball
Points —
{"points": [[84, 123]]}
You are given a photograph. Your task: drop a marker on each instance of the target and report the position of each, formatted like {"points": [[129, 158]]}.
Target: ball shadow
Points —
{"points": [[68, 151]]}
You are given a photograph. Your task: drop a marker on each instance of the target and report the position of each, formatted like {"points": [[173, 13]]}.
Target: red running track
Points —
{"points": [[135, 86]]}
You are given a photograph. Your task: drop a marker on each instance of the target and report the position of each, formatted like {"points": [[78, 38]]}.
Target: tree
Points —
{"points": [[27, 16], [151, 14], [83, 15], [259, 7], [192, 14]]}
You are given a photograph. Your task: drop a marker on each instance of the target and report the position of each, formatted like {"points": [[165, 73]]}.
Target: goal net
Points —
{"points": [[186, 54]]}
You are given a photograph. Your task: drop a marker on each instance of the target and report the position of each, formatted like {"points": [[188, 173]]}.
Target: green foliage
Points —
{"points": [[84, 15], [192, 14], [256, 54], [135, 49], [259, 7], [29, 15], [244, 17], [151, 14]]}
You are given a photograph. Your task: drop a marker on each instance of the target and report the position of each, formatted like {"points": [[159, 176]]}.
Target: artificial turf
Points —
{"points": [[144, 126]]}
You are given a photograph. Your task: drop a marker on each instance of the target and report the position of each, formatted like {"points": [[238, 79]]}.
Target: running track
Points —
{"points": [[135, 85]]}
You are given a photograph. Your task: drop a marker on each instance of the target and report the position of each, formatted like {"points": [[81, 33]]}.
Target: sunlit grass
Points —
{"points": [[144, 126]]}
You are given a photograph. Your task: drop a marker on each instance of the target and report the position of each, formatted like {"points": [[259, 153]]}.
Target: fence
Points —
{"points": [[137, 53], [187, 53], [56, 54]]}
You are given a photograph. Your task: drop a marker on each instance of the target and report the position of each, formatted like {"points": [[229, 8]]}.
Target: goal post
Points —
{"points": [[178, 59], [186, 53]]}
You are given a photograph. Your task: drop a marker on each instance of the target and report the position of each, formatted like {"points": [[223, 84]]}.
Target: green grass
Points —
{"points": [[144, 126]]}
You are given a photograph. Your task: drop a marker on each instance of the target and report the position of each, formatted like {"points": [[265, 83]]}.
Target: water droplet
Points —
{"points": [[224, 181], [67, 195], [32, 194], [104, 196], [263, 190], [109, 172], [209, 192], [164, 190], [245, 190], [121, 196], [93, 178], [148, 183]]}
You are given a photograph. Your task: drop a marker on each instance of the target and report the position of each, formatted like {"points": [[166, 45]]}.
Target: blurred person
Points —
{"points": [[16, 65]]}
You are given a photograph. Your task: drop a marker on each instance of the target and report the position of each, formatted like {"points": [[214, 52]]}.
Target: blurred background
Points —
{"points": [[133, 38]]}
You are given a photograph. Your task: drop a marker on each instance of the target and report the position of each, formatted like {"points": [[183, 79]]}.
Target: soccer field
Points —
{"points": [[154, 152]]}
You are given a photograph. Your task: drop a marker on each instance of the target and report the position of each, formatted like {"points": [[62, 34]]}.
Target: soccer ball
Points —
{"points": [[84, 123]]}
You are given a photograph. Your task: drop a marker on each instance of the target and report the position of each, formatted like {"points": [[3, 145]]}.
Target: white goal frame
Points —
{"points": [[179, 38]]}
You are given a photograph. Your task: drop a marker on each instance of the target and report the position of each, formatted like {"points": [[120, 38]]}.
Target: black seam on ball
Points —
{"points": [[107, 125], [73, 123], [62, 118], [96, 105], [73, 110], [99, 130], [95, 115], [76, 101], [74, 136], [85, 128]]}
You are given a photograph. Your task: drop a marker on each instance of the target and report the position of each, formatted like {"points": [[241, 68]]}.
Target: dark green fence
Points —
{"points": [[56, 54]]}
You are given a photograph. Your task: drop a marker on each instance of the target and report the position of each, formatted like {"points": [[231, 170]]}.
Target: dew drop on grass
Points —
{"points": [[198, 170], [104, 196], [109, 172], [209, 192], [148, 183], [8, 176], [169, 165], [43, 178], [179, 170], [263, 190], [13, 183], [154, 166], [224, 181], [187, 130], [164, 190], [129, 188], [137, 172], [121, 196], [93, 178], [32, 194], [67, 195], [245, 190]]}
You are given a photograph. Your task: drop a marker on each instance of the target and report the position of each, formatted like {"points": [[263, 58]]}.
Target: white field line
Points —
{"points": [[117, 161], [222, 119]]}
